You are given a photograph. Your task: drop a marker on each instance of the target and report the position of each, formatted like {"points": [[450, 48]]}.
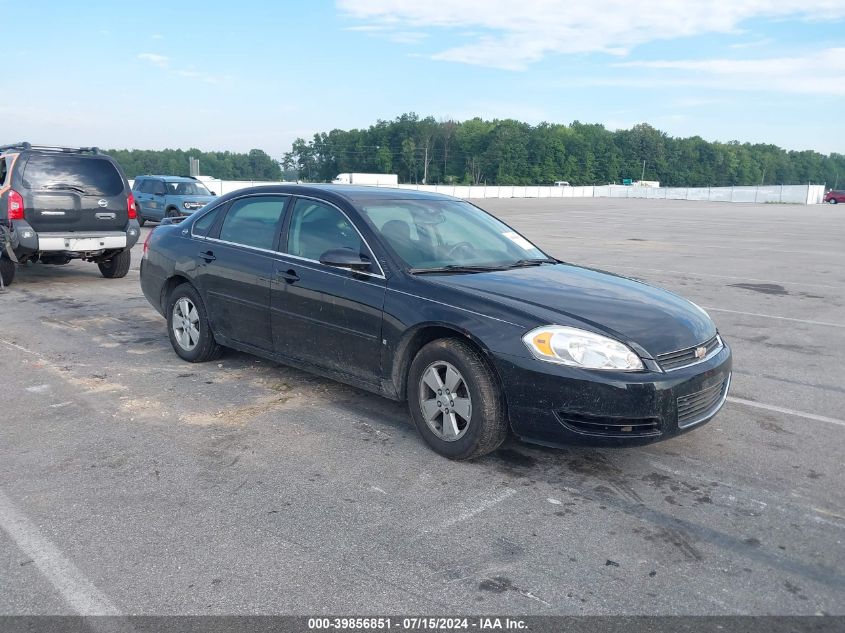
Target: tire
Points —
{"points": [[117, 266], [172, 212], [832, 201], [141, 220], [487, 424], [185, 301], [7, 270]]}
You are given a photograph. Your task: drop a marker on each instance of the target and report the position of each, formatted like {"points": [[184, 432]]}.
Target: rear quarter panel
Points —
{"points": [[169, 255]]}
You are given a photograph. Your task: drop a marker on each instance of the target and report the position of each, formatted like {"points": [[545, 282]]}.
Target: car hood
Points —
{"points": [[654, 320], [197, 198]]}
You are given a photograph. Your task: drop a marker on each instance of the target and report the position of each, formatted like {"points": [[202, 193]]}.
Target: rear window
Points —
{"points": [[90, 176]]}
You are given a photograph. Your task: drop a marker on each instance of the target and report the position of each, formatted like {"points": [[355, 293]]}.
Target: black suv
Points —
{"points": [[60, 203]]}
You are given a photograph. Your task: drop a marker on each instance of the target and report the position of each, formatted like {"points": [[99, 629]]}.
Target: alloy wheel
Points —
{"points": [[186, 324], [445, 401]]}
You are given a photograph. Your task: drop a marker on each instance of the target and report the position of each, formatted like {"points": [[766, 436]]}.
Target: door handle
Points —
{"points": [[289, 276], [208, 256]]}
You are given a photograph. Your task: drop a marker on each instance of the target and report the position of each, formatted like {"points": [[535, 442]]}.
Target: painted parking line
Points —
{"points": [[76, 590], [800, 414], [780, 318]]}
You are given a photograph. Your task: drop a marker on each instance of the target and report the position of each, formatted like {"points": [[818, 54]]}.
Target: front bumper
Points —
{"points": [[558, 405]]}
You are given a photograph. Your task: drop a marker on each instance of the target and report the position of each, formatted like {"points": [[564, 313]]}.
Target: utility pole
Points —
{"points": [[643, 176], [425, 165]]}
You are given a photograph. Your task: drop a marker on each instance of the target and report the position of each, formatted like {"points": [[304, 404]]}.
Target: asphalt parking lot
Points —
{"points": [[132, 482]]}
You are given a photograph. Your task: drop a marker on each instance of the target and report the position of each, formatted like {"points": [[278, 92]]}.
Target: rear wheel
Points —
{"points": [[117, 266], [141, 220], [456, 401], [7, 270], [188, 327]]}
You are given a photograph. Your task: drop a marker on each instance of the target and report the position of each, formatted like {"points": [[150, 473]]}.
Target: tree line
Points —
{"points": [[505, 152], [510, 152], [253, 165]]}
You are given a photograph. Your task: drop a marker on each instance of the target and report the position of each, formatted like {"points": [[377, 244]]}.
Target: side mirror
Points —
{"points": [[344, 258], [213, 193]]}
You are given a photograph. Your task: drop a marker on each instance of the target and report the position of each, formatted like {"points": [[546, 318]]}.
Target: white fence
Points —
{"points": [[791, 194]]}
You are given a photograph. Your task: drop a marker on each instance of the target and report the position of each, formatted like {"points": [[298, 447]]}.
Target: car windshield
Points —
{"points": [[177, 188], [435, 235]]}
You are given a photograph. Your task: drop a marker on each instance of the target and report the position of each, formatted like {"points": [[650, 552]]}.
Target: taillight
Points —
{"points": [[15, 207], [147, 244], [130, 207]]}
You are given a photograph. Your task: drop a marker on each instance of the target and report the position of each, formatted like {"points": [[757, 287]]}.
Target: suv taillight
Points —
{"points": [[130, 207], [15, 207], [147, 244]]}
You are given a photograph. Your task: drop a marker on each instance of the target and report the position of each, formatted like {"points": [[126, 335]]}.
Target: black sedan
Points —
{"points": [[429, 299]]}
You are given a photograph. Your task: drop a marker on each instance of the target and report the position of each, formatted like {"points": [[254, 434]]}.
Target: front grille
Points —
{"points": [[606, 426], [696, 406], [685, 357]]}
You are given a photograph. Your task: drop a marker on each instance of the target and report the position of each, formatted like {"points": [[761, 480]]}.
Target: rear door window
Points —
{"points": [[87, 175], [254, 221], [316, 228], [202, 226]]}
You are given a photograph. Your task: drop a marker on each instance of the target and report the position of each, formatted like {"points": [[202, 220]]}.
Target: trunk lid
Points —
{"points": [[74, 193]]}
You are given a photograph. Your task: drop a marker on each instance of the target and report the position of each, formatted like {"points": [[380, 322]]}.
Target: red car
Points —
{"points": [[833, 196]]}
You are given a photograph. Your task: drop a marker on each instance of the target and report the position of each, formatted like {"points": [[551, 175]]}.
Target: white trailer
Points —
{"points": [[378, 180]]}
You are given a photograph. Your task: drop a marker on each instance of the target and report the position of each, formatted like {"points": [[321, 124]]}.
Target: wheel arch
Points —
{"points": [[419, 336], [172, 283]]}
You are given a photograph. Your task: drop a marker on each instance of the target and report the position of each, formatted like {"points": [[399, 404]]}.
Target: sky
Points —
{"points": [[249, 74]]}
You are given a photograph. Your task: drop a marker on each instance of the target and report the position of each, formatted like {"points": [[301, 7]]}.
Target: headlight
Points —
{"points": [[579, 348]]}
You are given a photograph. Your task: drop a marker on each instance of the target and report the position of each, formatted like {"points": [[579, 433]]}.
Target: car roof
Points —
{"points": [[350, 193], [173, 178]]}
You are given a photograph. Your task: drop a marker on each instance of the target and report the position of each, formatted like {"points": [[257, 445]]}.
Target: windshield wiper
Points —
{"points": [[531, 262], [60, 185], [454, 268]]}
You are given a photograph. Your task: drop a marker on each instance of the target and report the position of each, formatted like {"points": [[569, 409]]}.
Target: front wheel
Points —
{"points": [[172, 212], [188, 327], [455, 400], [117, 266], [832, 201]]}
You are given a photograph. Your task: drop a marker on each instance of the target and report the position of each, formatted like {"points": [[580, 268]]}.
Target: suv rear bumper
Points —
{"points": [[26, 241], [81, 242]]}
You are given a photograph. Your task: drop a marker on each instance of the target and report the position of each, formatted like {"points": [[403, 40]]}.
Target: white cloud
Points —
{"points": [[388, 32], [818, 73], [407, 37], [157, 36], [199, 75], [161, 61], [516, 34]]}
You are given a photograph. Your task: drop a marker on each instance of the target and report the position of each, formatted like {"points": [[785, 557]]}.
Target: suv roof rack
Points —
{"points": [[50, 148]]}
